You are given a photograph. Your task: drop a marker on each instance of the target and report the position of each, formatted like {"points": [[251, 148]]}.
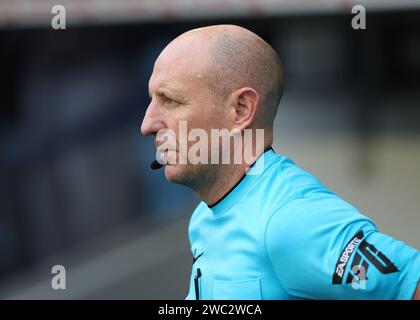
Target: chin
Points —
{"points": [[176, 173]]}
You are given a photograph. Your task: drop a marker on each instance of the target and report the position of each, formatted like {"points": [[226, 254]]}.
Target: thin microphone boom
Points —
{"points": [[155, 165]]}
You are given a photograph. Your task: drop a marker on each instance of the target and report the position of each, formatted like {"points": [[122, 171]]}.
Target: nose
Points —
{"points": [[152, 121]]}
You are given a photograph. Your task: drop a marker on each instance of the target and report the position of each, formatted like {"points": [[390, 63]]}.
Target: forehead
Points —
{"points": [[179, 66], [175, 79]]}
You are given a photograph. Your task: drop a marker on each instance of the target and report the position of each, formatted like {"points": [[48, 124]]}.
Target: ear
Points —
{"points": [[245, 104]]}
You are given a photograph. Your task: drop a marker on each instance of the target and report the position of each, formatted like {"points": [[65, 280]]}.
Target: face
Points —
{"points": [[180, 91]]}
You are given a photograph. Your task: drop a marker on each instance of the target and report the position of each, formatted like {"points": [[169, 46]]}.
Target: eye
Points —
{"points": [[169, 101]]}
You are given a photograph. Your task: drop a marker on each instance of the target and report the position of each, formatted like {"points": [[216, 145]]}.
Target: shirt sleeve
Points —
{"points": [[324, 248]]}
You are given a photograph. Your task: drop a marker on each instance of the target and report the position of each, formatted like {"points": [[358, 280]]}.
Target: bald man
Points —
{"points": [[265, 228]]}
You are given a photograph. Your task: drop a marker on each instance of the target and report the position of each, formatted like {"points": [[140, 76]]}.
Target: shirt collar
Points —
{"points": [[241, 188]]}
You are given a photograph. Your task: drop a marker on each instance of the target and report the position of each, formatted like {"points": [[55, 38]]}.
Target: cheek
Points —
{"points": [[199, 116], [212, 118]]}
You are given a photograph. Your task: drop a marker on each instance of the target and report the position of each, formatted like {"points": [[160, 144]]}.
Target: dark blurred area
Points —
{"points": [[75, 183]]}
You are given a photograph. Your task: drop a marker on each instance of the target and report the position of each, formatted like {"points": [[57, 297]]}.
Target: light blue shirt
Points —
{"points": [[282, 235]]}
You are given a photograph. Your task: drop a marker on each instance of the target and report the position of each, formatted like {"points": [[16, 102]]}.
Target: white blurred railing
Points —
{"points": [[78, 12]]}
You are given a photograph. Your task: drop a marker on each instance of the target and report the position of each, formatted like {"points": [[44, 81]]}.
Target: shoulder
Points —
{"points": [[285, 181], [295, 195], [309, 230], [314, 218], [296, 205]]}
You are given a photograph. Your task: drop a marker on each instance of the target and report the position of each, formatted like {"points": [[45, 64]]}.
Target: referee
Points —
{"points": [[274, 234]]}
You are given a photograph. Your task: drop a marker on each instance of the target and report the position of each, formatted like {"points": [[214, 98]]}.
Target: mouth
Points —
{"points": [[167, 155], [166, 151]]}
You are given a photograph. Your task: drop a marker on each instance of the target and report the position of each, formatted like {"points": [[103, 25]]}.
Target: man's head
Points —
{"points": [[216, 77]]}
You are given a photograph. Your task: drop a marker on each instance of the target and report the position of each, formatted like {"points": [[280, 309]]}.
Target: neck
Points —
{"points": [[228, 176], [223, 179]]}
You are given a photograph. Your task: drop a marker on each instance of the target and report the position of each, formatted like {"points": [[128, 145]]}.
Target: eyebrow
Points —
{"points": [[163, 91]]}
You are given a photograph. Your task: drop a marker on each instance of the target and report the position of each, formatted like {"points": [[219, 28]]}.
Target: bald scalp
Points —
{"points": [[240, 58], [233, 57]]}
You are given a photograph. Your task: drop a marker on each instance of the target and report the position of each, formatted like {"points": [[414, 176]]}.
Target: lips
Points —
{"points": [[166, 151], [167, 155]]}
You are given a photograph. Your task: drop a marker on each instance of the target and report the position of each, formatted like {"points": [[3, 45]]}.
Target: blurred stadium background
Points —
{"points": [[75, 183]]}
